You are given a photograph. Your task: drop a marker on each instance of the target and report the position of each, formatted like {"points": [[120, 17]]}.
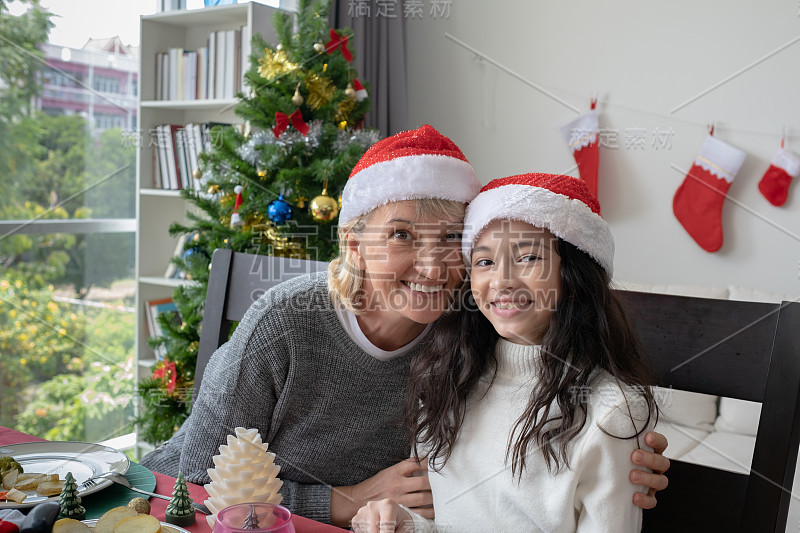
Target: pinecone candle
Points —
{"points": [[244, 472], [70, 501], [180, 511]]}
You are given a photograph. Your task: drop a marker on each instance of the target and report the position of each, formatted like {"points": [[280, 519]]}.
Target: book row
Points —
{"points": [[214, 71], [176, 154]]}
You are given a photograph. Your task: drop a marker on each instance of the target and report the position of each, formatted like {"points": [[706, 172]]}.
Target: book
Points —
{"points": [[159, 73], [153, 310], [219, 82], [212, 66]]}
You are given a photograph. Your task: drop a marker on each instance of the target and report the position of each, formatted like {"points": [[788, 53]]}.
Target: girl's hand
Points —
{"points": [[406, 483], [381, 517], [656, 462]]}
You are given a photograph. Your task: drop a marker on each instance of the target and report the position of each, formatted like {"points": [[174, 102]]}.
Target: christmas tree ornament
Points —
{"points": [[360, 91], [582, 136], [244, 472], [279, 47], [774, 185], [180, 511], [297, 99], [275, 64], [319, 47], [325, 67], [282, 122], [698, 201], [323, 208], [338, 42], [197, 174], [301, 201], [320, 91], [349, 91], [70, 501], [213, 188], [342, 125], [279, 211], [344, 108], [236, 219], [420, 163]]}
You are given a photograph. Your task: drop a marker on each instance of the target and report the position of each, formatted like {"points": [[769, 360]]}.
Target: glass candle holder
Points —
{"points": [[249, 517]]}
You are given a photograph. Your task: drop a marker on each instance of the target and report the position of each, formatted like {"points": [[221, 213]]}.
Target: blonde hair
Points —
{"points": [[345, 278]]}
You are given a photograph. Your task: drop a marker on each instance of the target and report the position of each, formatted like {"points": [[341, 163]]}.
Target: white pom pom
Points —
{"points": [[238, 189]]}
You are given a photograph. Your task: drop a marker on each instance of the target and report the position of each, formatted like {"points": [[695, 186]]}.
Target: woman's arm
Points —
{"points": [[654, 461], [400, 483]]}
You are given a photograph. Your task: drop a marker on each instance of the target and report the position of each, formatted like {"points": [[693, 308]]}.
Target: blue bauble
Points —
{"points": [[279, 211]]}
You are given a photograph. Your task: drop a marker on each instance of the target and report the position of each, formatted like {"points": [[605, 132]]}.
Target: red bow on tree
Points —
{"points": [[282, 122], [169, 371], [336, 42]]}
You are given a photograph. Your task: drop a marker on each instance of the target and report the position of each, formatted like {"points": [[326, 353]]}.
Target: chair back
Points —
{"points": [[236, 281], [744, 350]]}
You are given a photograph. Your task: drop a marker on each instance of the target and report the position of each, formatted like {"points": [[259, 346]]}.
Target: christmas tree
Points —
{"points": [[270, 187], [70, 501], [180, 511]]}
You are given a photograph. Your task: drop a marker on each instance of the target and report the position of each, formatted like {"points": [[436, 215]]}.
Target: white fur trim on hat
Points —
{"points": [[408, 178], [567, 218], [720, 158]]}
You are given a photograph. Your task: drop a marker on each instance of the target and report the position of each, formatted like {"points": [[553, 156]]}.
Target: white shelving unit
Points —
{"points": [[156, 209]]}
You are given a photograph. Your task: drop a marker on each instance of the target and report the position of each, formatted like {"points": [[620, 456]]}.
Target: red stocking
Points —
{"points": [[581, 136], [775, 183], [698, 201]]}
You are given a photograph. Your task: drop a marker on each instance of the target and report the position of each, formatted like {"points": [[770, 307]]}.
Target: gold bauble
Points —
{"points": [[323, 208], [297, 99], [197, 174], [319, 47], [213, 189], [350, 92]]}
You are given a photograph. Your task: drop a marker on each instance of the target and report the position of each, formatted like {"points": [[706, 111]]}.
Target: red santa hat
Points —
{"points": [[562, 204], [361, 92], [414, 164]]}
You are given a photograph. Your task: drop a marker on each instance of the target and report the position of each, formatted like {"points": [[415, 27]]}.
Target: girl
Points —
{"points": [[529, 410]]}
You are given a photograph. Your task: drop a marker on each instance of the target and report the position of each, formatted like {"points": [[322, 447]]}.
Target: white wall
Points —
{"points": [[643, 59]]}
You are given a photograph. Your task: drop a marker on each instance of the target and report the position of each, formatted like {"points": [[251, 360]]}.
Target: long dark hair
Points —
{"points": [[588, 331]]}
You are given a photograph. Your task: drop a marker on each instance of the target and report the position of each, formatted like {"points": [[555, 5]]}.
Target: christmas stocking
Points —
{"points": [[581, 136], [775, 183], [698, 201]]}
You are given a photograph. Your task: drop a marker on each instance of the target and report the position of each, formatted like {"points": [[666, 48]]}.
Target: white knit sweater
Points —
{"points": [[475, 490]]}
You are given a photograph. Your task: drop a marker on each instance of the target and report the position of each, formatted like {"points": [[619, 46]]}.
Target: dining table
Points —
{"points": [[164, 485]]}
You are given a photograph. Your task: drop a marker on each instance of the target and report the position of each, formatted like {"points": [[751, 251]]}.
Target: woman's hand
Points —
{"points": [[406, 483], [381, 517], [656, 462]]}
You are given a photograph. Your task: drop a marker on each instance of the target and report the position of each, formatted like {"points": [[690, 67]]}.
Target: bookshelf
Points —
{"points": [[157, 208]]}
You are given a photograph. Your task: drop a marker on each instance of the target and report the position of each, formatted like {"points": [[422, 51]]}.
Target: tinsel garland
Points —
{"points": [[320, 91], [275, 63], [250, 150]]}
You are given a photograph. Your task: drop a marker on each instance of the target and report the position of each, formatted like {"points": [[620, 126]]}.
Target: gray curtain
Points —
{"points": [[380, 59]]}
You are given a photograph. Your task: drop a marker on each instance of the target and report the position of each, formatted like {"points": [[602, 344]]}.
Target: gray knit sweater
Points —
{"points": [[330, 412]]}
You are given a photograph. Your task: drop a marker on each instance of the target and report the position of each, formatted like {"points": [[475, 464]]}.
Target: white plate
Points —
{"points": [[83, 459], [92, 523]]}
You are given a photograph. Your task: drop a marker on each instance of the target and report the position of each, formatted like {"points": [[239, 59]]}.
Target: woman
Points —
{"points": [[319, 364]]}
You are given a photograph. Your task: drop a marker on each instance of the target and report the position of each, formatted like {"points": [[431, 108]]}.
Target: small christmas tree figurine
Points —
{"points": [[70, 501], [180, 511], [251, 520]]}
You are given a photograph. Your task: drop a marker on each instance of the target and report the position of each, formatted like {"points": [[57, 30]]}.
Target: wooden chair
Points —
{"points": [[235, 282], [744, 350]]}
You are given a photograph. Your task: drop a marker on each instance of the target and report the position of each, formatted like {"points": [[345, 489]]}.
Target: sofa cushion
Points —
{"points": [[689, 409], [727, 451], [738, 416], [681, 439]]}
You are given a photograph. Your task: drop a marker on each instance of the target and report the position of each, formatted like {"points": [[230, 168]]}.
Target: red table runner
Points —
{"points": [[165, 484]]}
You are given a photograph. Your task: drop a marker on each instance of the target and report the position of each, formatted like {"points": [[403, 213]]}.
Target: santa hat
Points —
{"points": [[361, 92], [414, 164], [559, 203]]}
